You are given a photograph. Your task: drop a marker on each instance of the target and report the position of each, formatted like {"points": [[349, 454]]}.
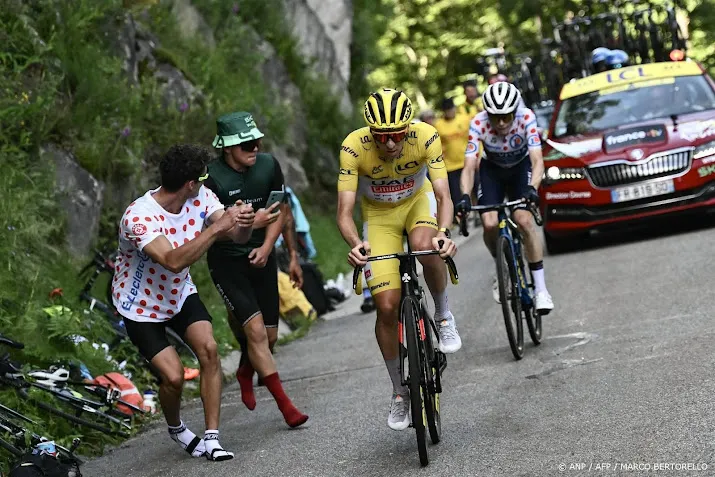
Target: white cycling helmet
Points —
{"points": [[501, 98]]}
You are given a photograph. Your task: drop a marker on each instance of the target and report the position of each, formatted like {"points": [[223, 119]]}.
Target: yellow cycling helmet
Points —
{"points": [[388, 110]]}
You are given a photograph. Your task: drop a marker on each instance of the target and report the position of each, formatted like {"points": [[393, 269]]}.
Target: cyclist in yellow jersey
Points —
{"points": [[387, 163], [453, 130]]}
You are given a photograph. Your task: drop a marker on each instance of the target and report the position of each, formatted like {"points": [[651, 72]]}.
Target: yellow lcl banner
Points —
{"points": [[629, 74]]}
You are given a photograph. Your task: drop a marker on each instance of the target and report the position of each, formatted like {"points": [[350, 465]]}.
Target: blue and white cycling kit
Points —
{"points": [[506, 170]]}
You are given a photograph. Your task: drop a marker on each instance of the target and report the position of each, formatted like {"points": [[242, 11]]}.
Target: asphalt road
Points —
{"points": [[621, 384]]}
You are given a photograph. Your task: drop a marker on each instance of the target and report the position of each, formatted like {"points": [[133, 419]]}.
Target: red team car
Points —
{"points": [[628, 144]]}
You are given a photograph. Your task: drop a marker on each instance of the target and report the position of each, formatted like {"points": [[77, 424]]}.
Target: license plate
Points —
{"points": [[641, 191]]}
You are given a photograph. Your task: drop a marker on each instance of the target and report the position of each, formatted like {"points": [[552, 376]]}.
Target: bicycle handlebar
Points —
{"points": [[13, 344], [495, 207], [357, 283]]}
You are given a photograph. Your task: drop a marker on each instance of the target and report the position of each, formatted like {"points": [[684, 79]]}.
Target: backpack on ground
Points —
{"points": [[129, 393]]}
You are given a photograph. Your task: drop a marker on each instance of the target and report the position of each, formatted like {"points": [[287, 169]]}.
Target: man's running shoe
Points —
{"points": [[495, 289], [399, 418], [449, 340], [544, 303]]}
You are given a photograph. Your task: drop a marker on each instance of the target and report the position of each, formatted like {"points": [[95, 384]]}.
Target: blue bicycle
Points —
{"points": [[516, 286]]}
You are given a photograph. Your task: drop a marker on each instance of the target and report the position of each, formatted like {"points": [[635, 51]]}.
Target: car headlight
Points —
{"points": [[555, 174], [704, 150]]}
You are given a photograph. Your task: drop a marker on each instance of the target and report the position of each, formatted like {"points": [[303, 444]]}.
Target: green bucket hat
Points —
{"points": [[235, 128]]}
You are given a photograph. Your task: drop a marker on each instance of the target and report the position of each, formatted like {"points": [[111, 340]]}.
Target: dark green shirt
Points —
{"points": [[252, 186]]}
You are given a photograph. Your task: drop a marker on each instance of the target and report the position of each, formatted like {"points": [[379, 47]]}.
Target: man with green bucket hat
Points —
{"points": [[235, 128], [246, 275]]}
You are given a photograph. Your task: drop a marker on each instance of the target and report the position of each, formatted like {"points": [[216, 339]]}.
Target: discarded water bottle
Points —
{"points": [[150, 401]]}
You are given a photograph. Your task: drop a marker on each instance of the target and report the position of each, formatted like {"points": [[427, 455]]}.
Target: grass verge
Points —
{"points": [[63, 81]]}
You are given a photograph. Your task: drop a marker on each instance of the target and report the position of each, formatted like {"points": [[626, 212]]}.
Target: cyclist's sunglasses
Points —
{"points": [[250, 146], [203, 178], [505, 118], [396, 137]]}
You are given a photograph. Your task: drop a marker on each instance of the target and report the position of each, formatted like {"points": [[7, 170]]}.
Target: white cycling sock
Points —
{"points": [[393, 368], [539, 281], [187, 440], [441, 308], [214, 451], [211, 440]]}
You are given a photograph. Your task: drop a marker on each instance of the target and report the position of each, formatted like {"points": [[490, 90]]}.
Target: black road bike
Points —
{"points": [[419, 343], [516, 283]]}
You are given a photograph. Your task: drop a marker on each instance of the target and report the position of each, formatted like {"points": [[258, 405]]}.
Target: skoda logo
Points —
{"points": [[637, 154]]}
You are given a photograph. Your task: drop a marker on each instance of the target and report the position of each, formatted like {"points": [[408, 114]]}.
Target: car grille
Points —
{"points": [[663, 165]]}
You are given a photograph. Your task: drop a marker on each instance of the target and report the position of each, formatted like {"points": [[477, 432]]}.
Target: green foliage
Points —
{"points": [[429, 46], [31, 267], [702, 35], [235, 25], [28, 225], [370, 20], [332, 251], [63, 81]]}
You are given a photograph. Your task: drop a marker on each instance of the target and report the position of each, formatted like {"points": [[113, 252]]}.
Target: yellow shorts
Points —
{"points": [[383, 227]]}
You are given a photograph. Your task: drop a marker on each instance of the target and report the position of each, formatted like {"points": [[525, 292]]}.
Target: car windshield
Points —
{"points": [[606, 109], [543, 116]]}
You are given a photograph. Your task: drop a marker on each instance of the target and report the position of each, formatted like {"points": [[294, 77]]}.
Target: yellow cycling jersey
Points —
{"points": [[391, 181], [455, 136]]}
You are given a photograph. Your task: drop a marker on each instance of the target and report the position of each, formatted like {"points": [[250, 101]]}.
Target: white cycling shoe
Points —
{"points": [[449, 340], [399, 417], [544, 303]]}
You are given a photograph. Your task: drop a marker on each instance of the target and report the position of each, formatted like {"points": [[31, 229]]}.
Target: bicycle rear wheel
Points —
{"points": [[531, 314], [416, 378], [509, 297]]}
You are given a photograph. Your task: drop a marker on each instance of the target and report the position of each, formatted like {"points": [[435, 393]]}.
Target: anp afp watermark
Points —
{"points": [[616, 466]]}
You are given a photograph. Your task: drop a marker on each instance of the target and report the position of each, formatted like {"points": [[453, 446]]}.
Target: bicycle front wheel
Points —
{"points": [[432, 387], [416, 366], [509, 296]]}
